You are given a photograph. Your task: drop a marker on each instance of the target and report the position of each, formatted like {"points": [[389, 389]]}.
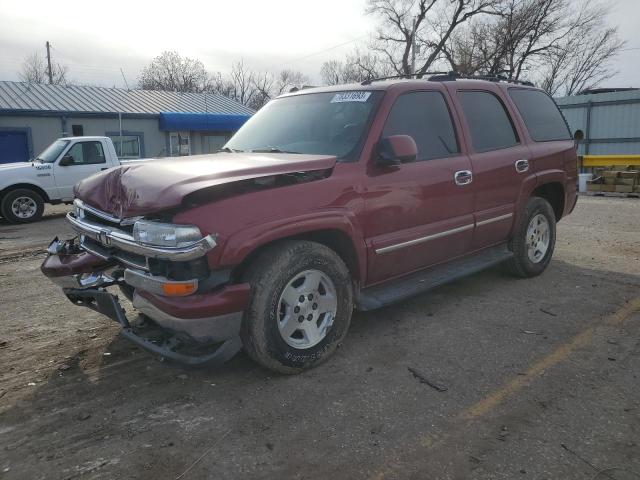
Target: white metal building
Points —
{"points": [[609, 118], [142, 123]]}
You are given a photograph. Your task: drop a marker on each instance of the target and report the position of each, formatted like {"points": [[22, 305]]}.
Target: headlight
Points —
{"points": [[165, 234]]}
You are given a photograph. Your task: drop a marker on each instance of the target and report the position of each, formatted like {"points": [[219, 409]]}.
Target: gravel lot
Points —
{"points": [[541, 380]]}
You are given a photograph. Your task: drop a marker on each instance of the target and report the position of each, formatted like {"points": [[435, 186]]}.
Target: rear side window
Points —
{"points": [[489, 123], [424, 116], [540, 114]]}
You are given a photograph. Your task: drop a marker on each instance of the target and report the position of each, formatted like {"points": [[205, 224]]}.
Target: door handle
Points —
{"points": [[103, 169], [522, 166], [463, 177]]}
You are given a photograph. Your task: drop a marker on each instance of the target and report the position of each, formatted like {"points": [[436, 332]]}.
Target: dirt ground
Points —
{"points": [[541, 379]]}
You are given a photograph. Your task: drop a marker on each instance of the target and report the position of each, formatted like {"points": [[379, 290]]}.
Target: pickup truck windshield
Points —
{"points": [[52, 151], [331, 123]]}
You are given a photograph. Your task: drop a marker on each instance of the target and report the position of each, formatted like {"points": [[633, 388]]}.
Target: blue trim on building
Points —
{"points": [[201, 122]]}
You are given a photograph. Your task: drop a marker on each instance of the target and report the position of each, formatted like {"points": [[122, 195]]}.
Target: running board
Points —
{"points": [[389, 292]]}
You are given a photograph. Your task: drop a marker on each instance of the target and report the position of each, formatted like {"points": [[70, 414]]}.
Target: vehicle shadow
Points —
{"points": [[115, 411]]}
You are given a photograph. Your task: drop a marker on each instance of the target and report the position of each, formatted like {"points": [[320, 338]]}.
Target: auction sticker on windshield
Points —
{"points": [[350, 97]]}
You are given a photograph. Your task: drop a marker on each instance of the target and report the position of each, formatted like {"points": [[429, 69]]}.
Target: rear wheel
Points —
{"points": [[300, 307], [534, 239], [22, 205]]}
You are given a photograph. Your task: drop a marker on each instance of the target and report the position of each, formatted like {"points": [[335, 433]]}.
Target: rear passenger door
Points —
{"points": [[416, 214], [500, 163]]}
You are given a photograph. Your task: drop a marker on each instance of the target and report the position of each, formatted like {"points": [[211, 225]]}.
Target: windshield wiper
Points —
{"points": [[271, 150], [229, 150]]}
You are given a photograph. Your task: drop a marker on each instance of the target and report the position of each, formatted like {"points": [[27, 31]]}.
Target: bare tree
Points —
{"points": [[356, 67], [563, 44], [34, 70], [426, 24], [252, 88], [288, 79], [172, 72], [583, 61]]}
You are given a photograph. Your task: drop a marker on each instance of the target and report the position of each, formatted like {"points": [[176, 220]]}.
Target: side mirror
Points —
{"points": [[396, 149], [66, 161], [578, 136]]}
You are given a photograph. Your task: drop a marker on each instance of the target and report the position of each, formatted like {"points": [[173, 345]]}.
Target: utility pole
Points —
{"points": [[49, 71]]}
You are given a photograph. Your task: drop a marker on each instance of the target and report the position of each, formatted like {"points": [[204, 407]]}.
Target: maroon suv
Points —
{"points": [[327, 199]]}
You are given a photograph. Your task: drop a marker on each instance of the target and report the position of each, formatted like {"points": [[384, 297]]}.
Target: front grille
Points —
{"points": [[107, 251], [110, 253]]}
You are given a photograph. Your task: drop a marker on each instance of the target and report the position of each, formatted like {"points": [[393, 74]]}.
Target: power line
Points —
{"points": [[320, 51]]}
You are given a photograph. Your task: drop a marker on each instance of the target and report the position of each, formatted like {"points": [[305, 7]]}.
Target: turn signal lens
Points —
{"points": [[178, 289]]}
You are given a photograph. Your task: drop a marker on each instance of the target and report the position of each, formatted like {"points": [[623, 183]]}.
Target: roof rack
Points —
{"points": [[404, 75], [490, 78], [451, 76]]}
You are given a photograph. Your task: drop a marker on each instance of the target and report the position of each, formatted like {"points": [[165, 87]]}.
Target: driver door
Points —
{"points": [[88, 158], [419, 214]]}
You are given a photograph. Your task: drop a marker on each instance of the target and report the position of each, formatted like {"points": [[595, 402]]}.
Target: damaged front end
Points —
{"points": [[161, 268]]}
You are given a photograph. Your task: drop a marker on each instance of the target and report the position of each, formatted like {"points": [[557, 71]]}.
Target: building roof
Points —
{"points": [[32, 97], [618, 96]]}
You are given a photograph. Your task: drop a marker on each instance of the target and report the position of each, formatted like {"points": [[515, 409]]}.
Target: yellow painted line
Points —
{"points": [[558, 355], [494, 399]]}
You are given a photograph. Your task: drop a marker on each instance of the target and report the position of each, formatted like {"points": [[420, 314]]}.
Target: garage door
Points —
{"points": [[14, 146]]}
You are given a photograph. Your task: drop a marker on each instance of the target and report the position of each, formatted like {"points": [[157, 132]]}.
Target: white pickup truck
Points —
{"points": [[49, 178]]}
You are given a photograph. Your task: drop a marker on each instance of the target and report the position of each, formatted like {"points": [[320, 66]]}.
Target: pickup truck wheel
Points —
{"points": [[300, 306], [534, 239], [22, 206]]}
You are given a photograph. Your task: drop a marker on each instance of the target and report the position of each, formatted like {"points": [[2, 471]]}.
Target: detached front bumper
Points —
{"points": [[206, 320], [104, 302]]}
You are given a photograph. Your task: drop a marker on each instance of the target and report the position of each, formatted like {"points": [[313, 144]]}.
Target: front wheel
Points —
{"points": [[534, 239], [300, 306], [22, 205]]}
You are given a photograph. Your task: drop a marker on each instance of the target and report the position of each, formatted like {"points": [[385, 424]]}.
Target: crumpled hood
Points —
{"points": [[156, 185]]}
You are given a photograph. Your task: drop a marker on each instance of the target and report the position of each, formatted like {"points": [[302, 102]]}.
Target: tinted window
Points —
{"points": [[540, 114], [85, 153], [424, 116], [488, 121]]}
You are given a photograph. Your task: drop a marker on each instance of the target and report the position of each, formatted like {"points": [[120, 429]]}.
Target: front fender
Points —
{"points": [[239, 245]]}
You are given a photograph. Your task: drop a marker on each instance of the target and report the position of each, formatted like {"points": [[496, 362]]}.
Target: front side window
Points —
{"points": [[540, 114], [127, 146], [87, 153], [425, 117], [488, 121], [329, 123]]}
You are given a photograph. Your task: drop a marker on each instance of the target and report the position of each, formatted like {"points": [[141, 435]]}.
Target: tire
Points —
{"points": [[530, 258], [32, 202], [279, 274]]}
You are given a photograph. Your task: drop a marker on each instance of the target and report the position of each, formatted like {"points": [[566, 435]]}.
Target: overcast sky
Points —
{"points": [[96, 39]]}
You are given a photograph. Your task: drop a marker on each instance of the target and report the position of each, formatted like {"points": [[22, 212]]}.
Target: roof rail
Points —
{"points": [[449, 76], [490, 78], [404, 75]]}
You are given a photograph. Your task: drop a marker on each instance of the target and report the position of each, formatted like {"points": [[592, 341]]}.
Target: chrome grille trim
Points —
{"points": [[112, 237]]}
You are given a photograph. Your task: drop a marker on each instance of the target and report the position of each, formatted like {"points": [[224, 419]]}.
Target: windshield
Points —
{"points": [[52, 151], [331, 123]]}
